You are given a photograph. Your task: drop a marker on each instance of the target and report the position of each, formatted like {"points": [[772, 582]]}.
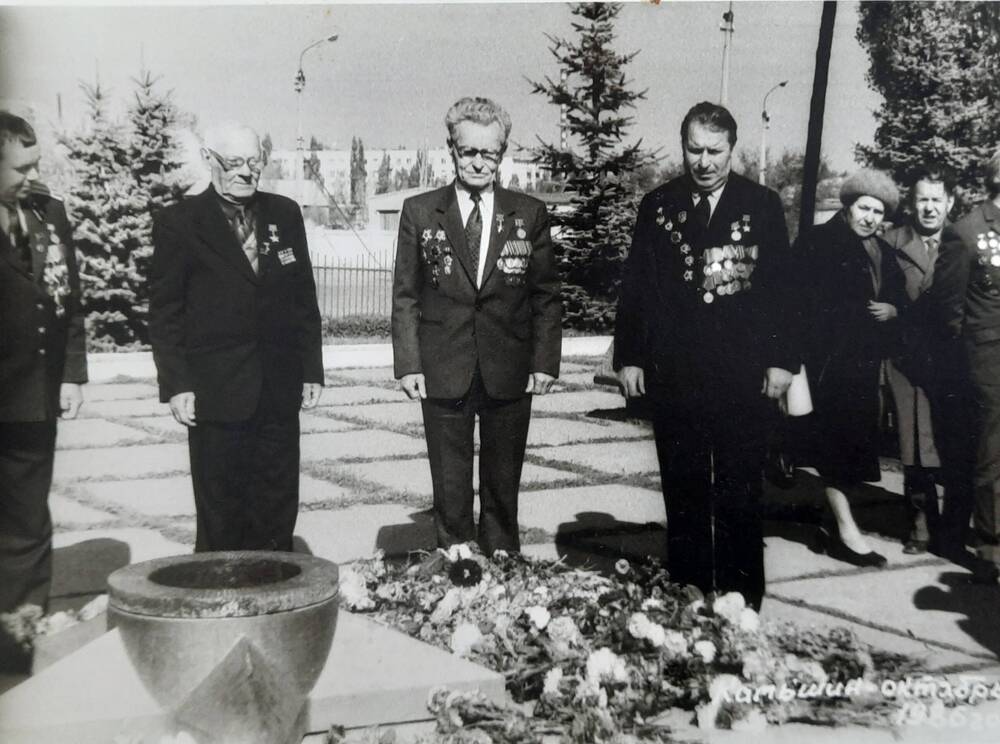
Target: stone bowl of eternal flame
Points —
{"points": [[193, 625]]}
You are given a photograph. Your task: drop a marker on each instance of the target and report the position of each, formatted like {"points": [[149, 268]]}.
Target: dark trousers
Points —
{"points": [[711, 473], [953, 416], [986, 477], [246, 481], [503, 433], [26, 456]]}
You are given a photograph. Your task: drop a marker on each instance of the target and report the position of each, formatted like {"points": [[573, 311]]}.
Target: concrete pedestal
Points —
{"points": [[373, 675]]}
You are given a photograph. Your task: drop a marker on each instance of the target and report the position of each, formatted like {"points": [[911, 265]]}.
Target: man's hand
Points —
{"points": [[776, 382], [539, 383], [70, 399], [633, 380], [882, 311], [413, 385], [310, 394], [182, 407]]}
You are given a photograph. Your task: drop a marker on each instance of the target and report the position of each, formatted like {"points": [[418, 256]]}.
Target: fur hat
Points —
{"points": [[867, 182]]}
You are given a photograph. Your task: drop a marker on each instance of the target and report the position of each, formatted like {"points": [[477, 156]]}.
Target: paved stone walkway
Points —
{"points": [[590, 493]]}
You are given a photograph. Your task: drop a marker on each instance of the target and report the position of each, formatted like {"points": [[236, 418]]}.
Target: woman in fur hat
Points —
{"points": [[853, 292]]}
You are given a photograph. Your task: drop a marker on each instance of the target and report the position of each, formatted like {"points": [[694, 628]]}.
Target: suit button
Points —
{"points": [[41, 329], [40, 305], [41, 352]]}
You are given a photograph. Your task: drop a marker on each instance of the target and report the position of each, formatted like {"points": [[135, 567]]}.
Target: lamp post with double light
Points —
{"points": [[765, 121]]}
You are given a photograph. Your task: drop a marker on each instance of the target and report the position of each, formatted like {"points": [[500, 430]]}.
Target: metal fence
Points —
{"points": [[360, 285]]}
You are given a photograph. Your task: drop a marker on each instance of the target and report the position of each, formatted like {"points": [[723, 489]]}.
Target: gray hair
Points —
{"points": [[219, 133], [480, 111]]}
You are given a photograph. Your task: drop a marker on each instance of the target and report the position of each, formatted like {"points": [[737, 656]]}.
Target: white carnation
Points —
{"points": [[464, 637], [539, 616], [552, 679], [706, 650], [729, 606], [604, 665]]}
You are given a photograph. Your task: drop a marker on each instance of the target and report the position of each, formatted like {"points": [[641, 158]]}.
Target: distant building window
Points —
{"points": [[389, 221]]}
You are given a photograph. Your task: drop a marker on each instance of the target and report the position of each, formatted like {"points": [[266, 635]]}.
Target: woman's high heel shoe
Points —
{"points": [[829, 542]]}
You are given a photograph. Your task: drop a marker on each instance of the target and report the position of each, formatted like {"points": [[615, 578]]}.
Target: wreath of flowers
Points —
{"points": [[596, 658]]}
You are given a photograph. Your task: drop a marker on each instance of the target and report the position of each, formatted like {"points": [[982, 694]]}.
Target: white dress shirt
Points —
{"points": [[465, 206]]}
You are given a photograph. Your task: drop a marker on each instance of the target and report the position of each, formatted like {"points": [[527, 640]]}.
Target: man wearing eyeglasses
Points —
{"points": [[475, 326], [235, 330]]}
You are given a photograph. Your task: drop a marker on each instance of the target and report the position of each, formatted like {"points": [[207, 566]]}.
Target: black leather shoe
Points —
{"points": [[841, 552], [915, 547]]}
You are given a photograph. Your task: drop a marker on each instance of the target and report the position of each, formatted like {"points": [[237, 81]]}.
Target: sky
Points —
{"points": [[395, 68]]}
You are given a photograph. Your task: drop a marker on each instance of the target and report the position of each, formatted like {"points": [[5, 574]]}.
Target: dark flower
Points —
{"points": [[465, 572]]}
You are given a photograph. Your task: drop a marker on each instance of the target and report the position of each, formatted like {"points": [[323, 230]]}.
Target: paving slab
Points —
{"points": [[66, 511], [577, 378], [156, 497], [577, 402], [930, 656], [576, 508], [617, 458], [165, 426], [790, 554], [123, 408], [141, 544], [119, 391], [317, 491], [414, 476], [358, 531], [554, 431], [123, 462], [311, 424], [372, 675], [354, 395], [362, 443], [407, 413], [931, 602], [83, 433], [369, 375]]}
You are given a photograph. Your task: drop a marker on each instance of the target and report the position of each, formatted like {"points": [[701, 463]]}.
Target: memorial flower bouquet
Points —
{"points": [[596, 658]]}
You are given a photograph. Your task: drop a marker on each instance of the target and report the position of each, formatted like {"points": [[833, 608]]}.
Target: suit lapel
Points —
{"points": [[212, 227], [450, 218], [913, 248], [499, 229], [38, 242], [7, 254]]}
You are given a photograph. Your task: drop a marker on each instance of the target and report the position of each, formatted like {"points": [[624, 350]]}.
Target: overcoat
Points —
{"points": [[844, 345]]}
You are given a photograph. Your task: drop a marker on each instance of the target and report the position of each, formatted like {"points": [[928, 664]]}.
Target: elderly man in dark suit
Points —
{"points": [[475, 326], [915, 245], [235, 330], [42, 363], [703, 331], [967, 287]]}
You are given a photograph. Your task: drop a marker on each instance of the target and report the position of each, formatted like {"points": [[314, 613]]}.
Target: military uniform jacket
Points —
{"points": [[42, 337], [704, 314], [968, 275], [220, 330], [444, 326]]}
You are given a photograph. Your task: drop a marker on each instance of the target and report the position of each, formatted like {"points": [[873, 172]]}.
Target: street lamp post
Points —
{"points": [[765, 121], [300, 84]]}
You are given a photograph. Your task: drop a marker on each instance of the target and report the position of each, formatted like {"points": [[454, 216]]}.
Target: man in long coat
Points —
{"points": [[703, 331]]}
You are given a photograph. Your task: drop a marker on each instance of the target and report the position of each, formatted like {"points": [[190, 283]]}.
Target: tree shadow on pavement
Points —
{"points": [[397, 540], [596, 540], [80, 571]]}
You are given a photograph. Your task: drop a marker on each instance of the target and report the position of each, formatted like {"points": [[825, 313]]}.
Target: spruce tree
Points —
{"points": [[384, 182], [598, 167], [935, 65]]}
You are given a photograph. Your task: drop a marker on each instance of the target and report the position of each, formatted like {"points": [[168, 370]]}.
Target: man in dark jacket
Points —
{"points": [[42, 363], [475, 326], [967, 287], [235, 330], [702, 331]]}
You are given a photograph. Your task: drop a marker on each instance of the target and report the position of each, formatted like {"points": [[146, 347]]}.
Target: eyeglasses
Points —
{"points": [[231, 164], [469, 153]]}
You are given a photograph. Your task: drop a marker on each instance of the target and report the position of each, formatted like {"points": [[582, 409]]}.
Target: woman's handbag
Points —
{"points": [[797, 401]]}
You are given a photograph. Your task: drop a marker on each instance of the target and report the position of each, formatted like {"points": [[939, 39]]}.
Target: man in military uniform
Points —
{"points": [[236, 339], [967, 286], [42, 364], [703, 332], [475, 326]]}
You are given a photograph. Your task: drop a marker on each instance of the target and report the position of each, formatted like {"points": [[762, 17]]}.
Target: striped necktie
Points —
{"points": [[243, 224], [474, 230]]}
